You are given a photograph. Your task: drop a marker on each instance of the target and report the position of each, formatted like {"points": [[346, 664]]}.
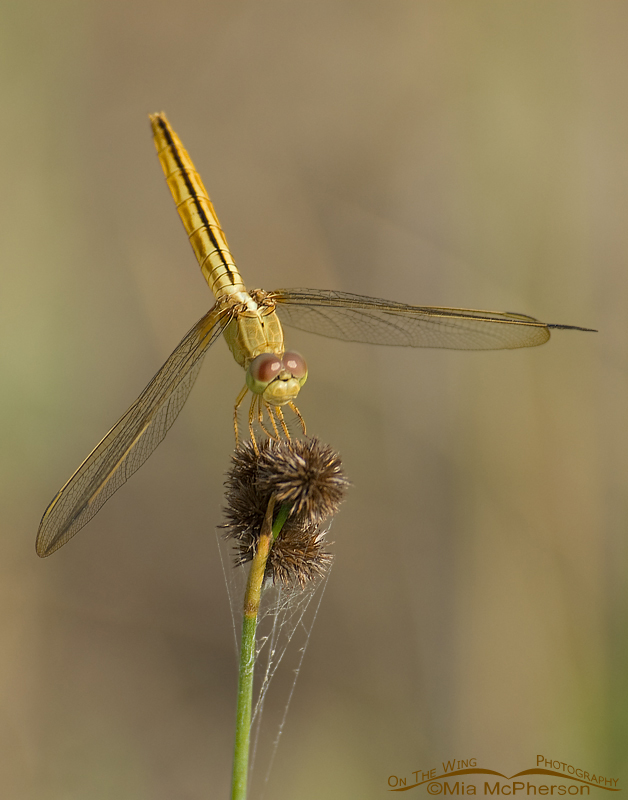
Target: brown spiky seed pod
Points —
{"points": [[305, 474]]}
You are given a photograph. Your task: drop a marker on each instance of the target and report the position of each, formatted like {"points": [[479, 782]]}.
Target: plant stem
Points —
{"points": [[252, 597]]}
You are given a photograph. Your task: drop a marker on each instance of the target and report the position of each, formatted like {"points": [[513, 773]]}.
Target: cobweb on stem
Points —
{"points": [[286, 621]]}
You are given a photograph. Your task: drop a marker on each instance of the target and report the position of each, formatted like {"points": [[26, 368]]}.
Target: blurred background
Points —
{"points": [[429, 151]]}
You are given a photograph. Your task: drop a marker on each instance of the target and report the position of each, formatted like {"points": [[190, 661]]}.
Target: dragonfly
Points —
{"points": [[251, 323]]}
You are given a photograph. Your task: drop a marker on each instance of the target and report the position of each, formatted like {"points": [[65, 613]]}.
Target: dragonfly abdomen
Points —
{"points": [[196, 211]]}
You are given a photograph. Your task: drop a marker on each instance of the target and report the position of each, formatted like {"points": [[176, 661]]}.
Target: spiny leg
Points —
{"points": [[238, 403], [260, 417], [269, 409], [279, 413], [251, 416], [298, 413]]}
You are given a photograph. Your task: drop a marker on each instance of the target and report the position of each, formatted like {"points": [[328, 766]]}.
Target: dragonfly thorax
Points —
{"points": [[253, 329]]}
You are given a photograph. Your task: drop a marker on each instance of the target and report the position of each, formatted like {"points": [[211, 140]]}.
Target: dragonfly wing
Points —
{"points": [[356, 318], [131, 440]]}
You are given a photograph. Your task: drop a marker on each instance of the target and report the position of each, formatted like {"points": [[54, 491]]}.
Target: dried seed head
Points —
{"points": [[304, 474], [298, 556]]}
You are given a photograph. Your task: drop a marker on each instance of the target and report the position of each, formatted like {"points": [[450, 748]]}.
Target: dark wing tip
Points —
{"points": [[571, 328]]}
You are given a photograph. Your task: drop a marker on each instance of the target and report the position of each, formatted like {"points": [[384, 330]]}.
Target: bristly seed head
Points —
{"points": [[305, 474]]}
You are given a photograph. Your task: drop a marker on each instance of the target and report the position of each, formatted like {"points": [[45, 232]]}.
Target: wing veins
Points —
{"points": [[115, 458], [359, 318]]}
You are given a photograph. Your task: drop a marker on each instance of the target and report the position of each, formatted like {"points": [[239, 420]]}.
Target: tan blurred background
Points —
{"points": [[454, 153]]}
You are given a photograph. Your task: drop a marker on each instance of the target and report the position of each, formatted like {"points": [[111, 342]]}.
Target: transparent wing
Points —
{"points": [[131, 440], [355, 318]]}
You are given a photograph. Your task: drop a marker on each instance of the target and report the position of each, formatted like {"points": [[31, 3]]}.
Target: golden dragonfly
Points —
{"points": [[251, 322]]}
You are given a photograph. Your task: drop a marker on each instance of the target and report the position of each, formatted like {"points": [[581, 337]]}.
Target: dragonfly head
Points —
{"points": [[277, 378]]}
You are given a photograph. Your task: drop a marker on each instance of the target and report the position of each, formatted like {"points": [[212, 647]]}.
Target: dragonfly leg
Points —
{"points": [[269, 409], [251, 417], [282, 421], [298, 413], [238, 403], [260, 417]]}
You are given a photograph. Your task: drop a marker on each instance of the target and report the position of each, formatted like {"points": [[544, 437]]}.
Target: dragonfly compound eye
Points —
{"points": [[294, 363], [262, 370]]}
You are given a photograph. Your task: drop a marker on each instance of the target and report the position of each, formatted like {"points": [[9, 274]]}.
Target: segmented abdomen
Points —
{"points": [[196, 211]]}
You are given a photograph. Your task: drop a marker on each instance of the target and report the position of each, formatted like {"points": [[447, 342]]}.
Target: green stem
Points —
{"points": [[282, 516], [270, 531]]}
